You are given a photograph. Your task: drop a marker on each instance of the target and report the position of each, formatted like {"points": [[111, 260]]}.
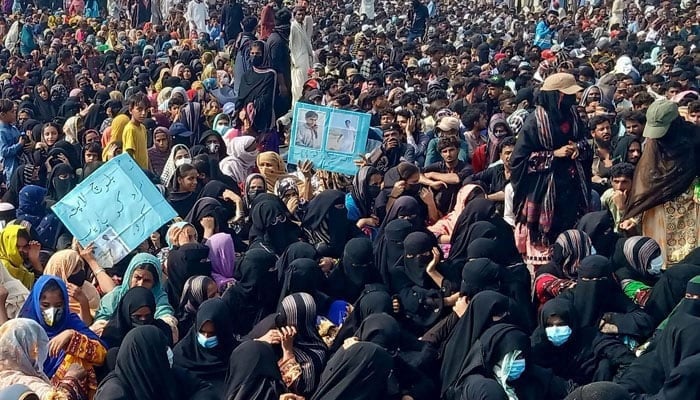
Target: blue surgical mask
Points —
{"points": [[207, 342], [222, 129], [170, 356], [558, 335], [516, 369], [655, 265]]}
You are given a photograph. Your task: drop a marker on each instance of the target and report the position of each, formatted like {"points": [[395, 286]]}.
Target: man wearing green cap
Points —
{"points": [[663, 202]]}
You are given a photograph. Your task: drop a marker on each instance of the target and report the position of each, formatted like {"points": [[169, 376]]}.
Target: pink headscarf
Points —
{"points": [[223, 257]]}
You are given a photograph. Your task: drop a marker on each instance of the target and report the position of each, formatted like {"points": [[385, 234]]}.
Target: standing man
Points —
{"points": [[242, 62], [231, 17], [196, 16], [545, 30], [301, 51], [419, 21]]}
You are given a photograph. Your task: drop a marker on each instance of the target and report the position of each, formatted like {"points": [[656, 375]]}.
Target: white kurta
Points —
{"points": [[367, 8], [302, 54], [196, 16]]}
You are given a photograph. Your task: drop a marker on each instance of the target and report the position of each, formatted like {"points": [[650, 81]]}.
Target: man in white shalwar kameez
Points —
{"points": [[196, 16], [301, 51]]}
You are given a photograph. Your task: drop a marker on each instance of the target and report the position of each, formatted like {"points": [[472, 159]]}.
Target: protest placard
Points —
{"points": [[331, 138], [116, 208]]}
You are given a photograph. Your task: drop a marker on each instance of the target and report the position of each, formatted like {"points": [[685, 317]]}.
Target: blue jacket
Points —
{"points": [[10, 149]]}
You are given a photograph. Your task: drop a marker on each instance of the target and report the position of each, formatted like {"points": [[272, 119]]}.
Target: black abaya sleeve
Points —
{"points": [[644, 375], [192, 387], [682, 383]]}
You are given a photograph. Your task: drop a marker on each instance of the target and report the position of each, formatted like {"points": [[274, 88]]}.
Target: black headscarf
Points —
{"points": [[381, 329], [304, 275], [208, 207], [389, 248], [415, 259], [669, 290], [121, 322], [360, 191], [621, 148], [272, 225], [194, 293], [292, 252], [480, 274], [184, 262], [599, 227], [356, 270], [461, 240], [407, 208], [483, 248], [373, 300], [357, 373], [479, 317], [255, 294], [45, 109], [326, 223], [208, 364], [142, 370], [59, 187], [253, 373]]}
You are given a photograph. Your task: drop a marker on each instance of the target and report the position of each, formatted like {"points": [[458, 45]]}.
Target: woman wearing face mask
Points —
{"points": [[214, 144], [222, 124], [366, 186], [70, 340], [179, 155], [258, 90], [143, 270], [196, 291], [272, 167], [144, 370], [421, 300], [272, 227], [136, 308], [354, 270], [206, 349], [69, 267], [640, 269], [61, 180], [582, 355], [502, 354], [241, 159]]}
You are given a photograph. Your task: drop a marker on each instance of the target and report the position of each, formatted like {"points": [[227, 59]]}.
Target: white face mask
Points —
{"points": [[655, 265], [593, 251], [183, 161]]}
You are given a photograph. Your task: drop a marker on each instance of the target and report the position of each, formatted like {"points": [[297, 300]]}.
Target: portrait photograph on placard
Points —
{"points": [[342, 132], [311, 125]]}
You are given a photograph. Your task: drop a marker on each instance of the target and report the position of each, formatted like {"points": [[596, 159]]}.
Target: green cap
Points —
{"points": [[660, 115]]}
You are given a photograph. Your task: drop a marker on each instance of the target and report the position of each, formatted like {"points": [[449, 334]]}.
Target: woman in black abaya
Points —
{"points": [[292, 252], [359, 372], [253, 373], [206, 349], [255, 294], [582, 355], [136, 308], [356, 269], [389, 248], [326, 223], [184, 262], [272, 228], [143, 372], [304, 276]]}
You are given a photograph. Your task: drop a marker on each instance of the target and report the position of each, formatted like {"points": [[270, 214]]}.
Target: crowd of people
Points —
{"points": [[522, 225]]}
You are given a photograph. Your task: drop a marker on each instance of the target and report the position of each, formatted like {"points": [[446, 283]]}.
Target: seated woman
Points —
{"points": [[184, 262], [359, 202], [136, 308], [143, 371], [71, 340], [502, 355], [14, 243], [360, 371], [303, 351], [638, 267], [206, 349], [222, 255], [445, 226], [24, 348], [196, 291], [179, 155], [326, 223], [84, 298], [183, 189], [560, 274], [253, 372], [354, 270], [143, 270], [583, 355]]}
